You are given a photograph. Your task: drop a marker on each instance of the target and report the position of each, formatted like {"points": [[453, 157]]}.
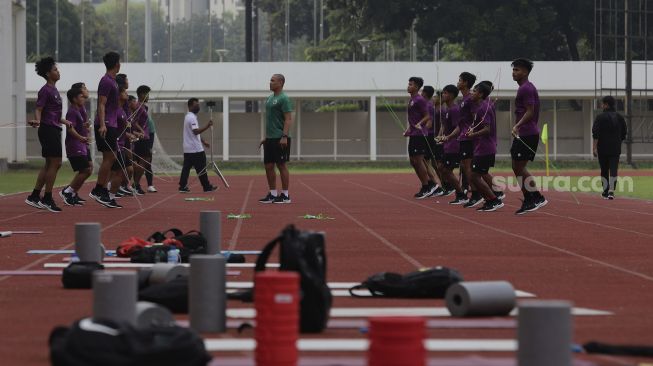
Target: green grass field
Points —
{"points": [[22, 180]]}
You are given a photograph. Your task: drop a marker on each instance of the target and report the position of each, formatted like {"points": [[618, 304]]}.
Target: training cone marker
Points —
{"points": [[491, 298], [396, 341], [210, 227], [544, 333], [87, 242], [276, 299], [114, 296], [207, 293]]}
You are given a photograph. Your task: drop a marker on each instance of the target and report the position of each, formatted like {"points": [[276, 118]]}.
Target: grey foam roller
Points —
{"points": [[544, 333], [210, 227], [489, 298], [166, 272], [87, 242], [114, 296], [149, 314], [207, 296]]}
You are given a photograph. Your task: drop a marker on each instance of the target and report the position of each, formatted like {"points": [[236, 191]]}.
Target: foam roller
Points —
{"points": [[491, 298]]}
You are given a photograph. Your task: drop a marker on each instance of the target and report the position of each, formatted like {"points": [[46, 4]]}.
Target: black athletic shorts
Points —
{"points": [[110, 140], [273, 153], [50, 139], [79, 163], [451, 161], [418, 145], [466, 149], [142, 148], [435, 150], [481, 164], [524, 147], [151, 143]]}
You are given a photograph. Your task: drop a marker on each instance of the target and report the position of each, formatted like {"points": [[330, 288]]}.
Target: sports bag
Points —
{"points": [[304, 252], [80, 274], [105, 343], [426, 283]]}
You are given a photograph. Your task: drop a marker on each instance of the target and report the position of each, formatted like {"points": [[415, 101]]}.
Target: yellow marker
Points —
{"points": [[545, 141]]}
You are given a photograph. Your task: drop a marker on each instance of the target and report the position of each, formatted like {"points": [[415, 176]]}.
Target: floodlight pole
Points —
{"points": [[628, 105]]}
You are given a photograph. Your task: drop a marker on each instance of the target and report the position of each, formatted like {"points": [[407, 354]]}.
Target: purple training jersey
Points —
{"points": [[467, 110], [417, 109], [109, 88], [527, 96], [122, 126], [141, 119], [74, 147], [485, 144], [451, 120], [50, 102]]}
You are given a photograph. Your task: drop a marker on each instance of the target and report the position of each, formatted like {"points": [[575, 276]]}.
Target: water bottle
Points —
{"points": [[173, 255]]}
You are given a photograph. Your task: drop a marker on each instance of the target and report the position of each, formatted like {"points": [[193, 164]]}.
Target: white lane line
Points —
{"points": [[234, 236], [146, 265]]}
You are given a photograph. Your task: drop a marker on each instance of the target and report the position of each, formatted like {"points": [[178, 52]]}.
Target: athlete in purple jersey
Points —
{"points": [[418, 118], [77, 149], [449, 140]]}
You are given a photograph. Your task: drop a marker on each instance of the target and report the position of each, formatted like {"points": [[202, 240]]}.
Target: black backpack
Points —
{"points": [[80, 274], [304, 252], [173, 295], [424, 284], [101, 343]]}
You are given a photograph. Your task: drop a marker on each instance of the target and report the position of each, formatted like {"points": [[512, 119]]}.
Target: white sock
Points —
{"points": [[273, 192], [68, 190], [112, 196], [109, 185], [285, 192]]}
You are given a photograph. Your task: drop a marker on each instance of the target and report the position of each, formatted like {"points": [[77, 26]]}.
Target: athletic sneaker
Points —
{"points": [[268, 199], [68, 198], [138, 190], [491, 206], [526, 206], [100, 195], [210, 188], [184, 190], [119, 194], [78, 201], [438, 192], [461, 199], [282, 198], [113, 204], [540, 201], [151, 189], [448, 192], [605, 195], [50, 206], [34, 201], [610, 195], [125, 191], [473, 201], [500, 195]]}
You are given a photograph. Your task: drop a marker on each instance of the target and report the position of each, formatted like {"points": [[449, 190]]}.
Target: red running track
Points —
{"points": [[593, 252]]}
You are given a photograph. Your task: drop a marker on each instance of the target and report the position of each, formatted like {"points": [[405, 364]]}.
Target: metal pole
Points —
{"points": [[210, 33], [148, 31], [628, 106], [56, 36], [287, 30], [314, 23], [126, 50], [321, 20], [169, 33], [38, 28], [81, 54]]}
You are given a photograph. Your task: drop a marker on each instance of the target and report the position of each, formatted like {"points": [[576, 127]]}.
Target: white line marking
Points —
{"points": [[605, 207], [383, 240], [234, 236], [250, 313], [146, 265], [363, 293], [525, 238], [360, 345]]}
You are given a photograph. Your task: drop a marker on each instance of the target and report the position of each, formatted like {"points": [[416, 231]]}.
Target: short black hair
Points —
{"points": [[72, 93], [429, 90], [191, 101], [43, 66], [142, 90], [488, 83], [111, 59], [77, 85], [468, 78], [523, 62], [451, 89], [485, 88], [609, 100], [417, 81], [281, 77], [121, 80]]}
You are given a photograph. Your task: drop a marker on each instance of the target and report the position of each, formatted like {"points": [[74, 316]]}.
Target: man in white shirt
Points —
{"points": [[194, 155]]}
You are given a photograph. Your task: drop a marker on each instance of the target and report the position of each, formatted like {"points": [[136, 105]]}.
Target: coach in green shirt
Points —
{"points": [[276, 145]]}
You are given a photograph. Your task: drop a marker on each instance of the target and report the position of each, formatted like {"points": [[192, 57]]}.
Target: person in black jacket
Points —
{"points": [[608, 131]]}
